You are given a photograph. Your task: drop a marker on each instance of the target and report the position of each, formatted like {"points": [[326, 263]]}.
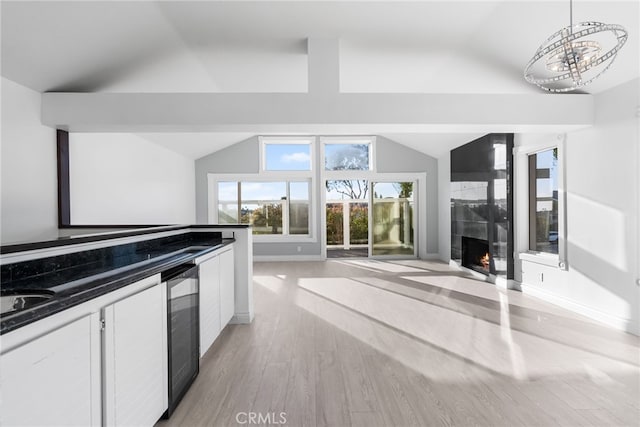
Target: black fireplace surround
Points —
{"points": [[482, 205]]}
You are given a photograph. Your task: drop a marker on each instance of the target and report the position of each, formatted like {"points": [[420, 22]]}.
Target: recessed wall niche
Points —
{"points": [[482, 205]]}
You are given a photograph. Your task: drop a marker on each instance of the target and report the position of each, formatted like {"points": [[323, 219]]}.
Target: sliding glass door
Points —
{"points": [[347, 218], [392, 228]]}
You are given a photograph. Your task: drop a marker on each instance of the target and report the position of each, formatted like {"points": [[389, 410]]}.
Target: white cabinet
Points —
{"points": [[217, 295], [209, 281], [64, 371], [55, 378], [135, 359], [227, 287]]}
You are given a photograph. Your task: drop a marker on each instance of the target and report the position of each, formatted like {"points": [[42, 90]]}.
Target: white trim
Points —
{"points": [[550, 260], [620, 323], [286, 258], [241, 319], [212, 193], [401, 177]]}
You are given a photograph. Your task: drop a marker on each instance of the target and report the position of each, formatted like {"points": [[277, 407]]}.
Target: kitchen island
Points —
{"points": [[91, 347]]}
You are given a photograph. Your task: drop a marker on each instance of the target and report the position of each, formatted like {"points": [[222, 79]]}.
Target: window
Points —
{"points": [[286, 154], [347, 155], [543, 201], [272, 208], [299, 208]]}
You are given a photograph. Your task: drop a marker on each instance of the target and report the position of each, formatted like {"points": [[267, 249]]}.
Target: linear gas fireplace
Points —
{"points": [[476, 256]]}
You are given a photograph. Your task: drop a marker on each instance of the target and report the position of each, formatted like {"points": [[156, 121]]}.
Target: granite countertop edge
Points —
{"points": [[11, 248], [93, 287]]}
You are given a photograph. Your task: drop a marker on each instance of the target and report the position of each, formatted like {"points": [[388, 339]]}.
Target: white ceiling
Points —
{"points": [[260, 46], [195, 145]]}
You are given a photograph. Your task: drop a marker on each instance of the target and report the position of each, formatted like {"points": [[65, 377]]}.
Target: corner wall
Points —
{"points": [[121, 179], [602, 185], [29, 203]]}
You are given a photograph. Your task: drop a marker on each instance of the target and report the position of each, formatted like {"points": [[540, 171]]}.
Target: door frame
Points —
{"points": [[419, 212], [415, 217]]}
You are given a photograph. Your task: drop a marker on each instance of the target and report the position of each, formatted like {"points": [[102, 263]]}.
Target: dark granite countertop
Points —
{"points": [[72, 283], [93, 233]]}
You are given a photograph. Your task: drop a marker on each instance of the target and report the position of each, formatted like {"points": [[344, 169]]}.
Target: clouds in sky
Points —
{"points": [[295, 158]]}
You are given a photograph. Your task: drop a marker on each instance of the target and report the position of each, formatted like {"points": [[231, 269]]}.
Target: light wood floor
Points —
{"points": [[369, 343]]}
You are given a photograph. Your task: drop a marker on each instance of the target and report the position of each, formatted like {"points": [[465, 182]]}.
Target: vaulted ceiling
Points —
{"points": [[260, 46]]}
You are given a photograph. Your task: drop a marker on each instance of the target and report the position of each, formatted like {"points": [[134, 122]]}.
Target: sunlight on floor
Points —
{"points": [[494, 347], [415, 354], [375, 265], [273, 283], [518, 365]]}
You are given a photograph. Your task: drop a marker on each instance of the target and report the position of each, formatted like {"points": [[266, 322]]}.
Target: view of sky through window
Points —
{"points": [[287, 157], [547, 187], [346, 157]]}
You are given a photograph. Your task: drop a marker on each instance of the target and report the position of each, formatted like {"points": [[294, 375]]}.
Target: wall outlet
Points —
{"points": [[299, 248]]}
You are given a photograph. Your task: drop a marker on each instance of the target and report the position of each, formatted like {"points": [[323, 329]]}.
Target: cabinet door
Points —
{"points": [[135, 359], [209, 275], [54, 379], [227, 287]]}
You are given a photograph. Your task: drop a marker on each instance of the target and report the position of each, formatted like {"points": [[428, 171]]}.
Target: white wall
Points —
{"points": [[29, 207], [444, 207], [121, 178], [602, 198]]}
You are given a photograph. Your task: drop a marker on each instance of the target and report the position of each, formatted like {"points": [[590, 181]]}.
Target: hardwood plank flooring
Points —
{"points": [[357, 342]]}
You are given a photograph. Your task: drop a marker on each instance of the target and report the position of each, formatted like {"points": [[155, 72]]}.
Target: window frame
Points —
{"points": [[214, 179], [533, 199], [263, 141], [522, 193], [345, 140]]}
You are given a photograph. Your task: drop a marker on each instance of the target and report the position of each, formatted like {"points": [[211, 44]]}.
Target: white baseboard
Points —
{"points": [[241, 319], [430, 256], [615, 322], [504, 283], [276, 258]]}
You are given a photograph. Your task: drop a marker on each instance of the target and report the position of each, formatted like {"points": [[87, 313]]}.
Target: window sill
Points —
{"points": [[550, 260]]}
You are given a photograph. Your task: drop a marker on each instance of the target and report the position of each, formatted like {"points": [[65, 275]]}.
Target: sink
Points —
{"points": [[16, 301]]}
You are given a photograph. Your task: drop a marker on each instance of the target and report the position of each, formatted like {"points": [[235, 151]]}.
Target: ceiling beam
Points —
{"points": [[323, 109], [323, 66], [300, 112]]}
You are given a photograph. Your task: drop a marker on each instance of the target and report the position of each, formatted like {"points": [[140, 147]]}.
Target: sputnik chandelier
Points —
{"points": [[575, 56]]}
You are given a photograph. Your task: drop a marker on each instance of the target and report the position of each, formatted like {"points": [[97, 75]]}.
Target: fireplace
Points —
{"points": [[482, 206], [476, 255]]}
